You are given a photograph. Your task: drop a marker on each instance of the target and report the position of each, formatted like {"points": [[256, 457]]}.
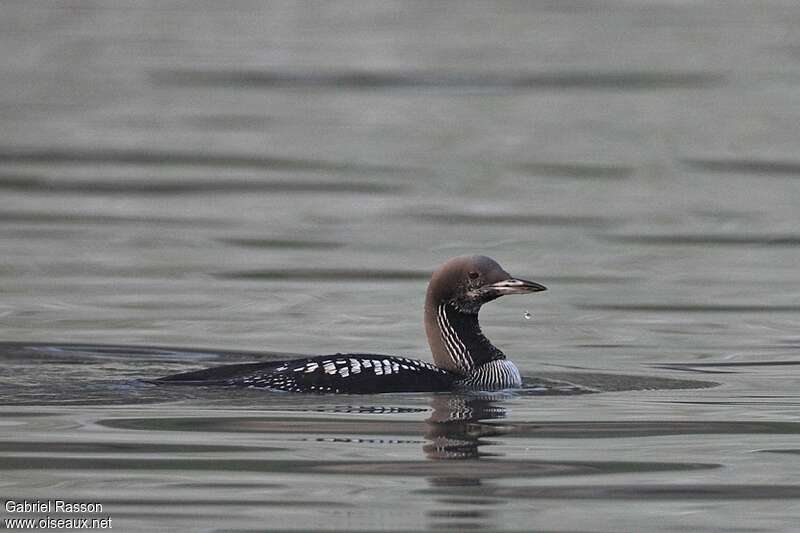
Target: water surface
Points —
{"points": [[183, 186]]}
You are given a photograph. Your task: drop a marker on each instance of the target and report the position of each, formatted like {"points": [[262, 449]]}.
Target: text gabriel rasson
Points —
{"points": [[52, 506]]}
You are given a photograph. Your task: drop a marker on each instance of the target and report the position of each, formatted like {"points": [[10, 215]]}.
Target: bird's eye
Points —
{"points": [[473, 275]]}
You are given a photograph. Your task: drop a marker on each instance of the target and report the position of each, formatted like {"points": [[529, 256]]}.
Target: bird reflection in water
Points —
{"points": [[456, 430], [457, 427]]}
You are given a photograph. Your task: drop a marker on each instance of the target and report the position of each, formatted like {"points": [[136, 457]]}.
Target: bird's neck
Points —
{"points": [[456, 340]]}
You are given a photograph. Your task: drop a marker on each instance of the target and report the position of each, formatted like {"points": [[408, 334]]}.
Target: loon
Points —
{"points": [[464, 359]]}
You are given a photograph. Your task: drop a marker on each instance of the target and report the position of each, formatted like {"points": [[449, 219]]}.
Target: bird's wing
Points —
{"points": [[337, 373]]}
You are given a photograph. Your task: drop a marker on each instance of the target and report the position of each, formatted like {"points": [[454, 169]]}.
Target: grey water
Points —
{"points": [[184, 184]]}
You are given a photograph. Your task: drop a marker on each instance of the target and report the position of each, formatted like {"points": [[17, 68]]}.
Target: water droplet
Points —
{"points": [[527, 315]]}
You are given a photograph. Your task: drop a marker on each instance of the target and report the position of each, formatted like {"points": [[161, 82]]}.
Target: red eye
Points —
{"points": [[473, 275]]}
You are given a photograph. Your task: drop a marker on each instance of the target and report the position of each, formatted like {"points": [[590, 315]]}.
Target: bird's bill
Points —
{"points": [[516, 286]]}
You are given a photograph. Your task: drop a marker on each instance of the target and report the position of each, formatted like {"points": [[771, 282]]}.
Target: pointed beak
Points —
{"points": [[516, 286]]}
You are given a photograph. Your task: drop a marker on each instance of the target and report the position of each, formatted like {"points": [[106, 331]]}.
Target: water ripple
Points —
{"points": [[42, 217], [40, 184], [576, 170], [745, 166], [327, 274], [672, 491], [513, 219], [119, 156], [292, 244], [28, 447], [372, 79], [411, 468], [693, 308], [287, 425], [721, 367], [678, 239]]}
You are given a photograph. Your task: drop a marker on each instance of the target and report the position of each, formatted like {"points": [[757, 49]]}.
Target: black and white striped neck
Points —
{"points": [[463, 347]]}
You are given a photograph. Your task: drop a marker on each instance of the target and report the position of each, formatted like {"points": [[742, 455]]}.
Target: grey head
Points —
{"points": [[456, 292]]}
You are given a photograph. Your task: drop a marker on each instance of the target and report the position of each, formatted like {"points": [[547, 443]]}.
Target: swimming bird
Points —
{"points": [[463, 358]]}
